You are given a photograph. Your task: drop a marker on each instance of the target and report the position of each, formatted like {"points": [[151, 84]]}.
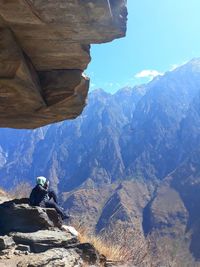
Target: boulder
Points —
{"points": [[17, 216], [43, 240], [6, 242], [56, 257], [70, 229], [23, 248], [35, 237]]}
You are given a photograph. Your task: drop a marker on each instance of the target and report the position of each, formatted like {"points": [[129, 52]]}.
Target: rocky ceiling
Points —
{"points": [[44, 49]]}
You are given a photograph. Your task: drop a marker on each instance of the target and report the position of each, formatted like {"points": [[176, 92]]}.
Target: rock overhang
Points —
{"points": [[45, 47]]}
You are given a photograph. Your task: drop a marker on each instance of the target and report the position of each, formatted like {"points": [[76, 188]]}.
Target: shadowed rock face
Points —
{"points": [[17, 215], [33, 236], [45, 46]]}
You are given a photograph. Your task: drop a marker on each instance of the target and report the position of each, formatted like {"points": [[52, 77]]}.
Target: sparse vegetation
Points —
{"points": [[118, 246], [169, 252], [121, 244], [111, 251]]}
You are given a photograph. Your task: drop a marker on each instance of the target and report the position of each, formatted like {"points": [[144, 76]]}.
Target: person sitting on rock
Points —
{"points": [[43, 197]]}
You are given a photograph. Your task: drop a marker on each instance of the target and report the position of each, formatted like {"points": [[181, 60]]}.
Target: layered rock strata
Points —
{"points": [[45, 47], [17, 215], [31, 236]]}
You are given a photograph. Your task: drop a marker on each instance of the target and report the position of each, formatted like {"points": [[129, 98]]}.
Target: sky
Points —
{"points": [[160, 36]]}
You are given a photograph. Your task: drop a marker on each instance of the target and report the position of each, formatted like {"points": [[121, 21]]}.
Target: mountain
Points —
{"points": [[74, 151], [150, 150], [129, 162]]}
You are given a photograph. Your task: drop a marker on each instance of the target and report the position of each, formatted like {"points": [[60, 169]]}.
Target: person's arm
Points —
{"points": [[42, 189]]}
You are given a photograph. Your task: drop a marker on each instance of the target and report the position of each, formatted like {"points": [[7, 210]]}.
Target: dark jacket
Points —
{"points": [[38, 196]]}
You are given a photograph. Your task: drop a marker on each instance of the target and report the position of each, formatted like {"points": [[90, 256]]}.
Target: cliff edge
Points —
{"points": [[35, 236], [45, 47]]}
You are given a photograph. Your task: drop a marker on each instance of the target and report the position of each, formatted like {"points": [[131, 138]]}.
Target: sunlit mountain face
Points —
{"points": [[131, 157]]}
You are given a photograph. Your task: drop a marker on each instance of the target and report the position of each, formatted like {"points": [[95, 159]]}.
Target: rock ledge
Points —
{"points": [[45, 47], [34, 236]]}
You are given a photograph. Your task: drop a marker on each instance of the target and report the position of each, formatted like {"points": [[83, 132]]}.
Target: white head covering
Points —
{"points": [[41, 180]]}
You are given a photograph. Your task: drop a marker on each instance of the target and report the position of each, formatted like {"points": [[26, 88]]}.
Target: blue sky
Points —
{"points": [[160, 35]]}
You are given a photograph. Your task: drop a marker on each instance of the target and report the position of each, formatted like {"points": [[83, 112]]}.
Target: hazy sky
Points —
{"points": [[161, 35]]}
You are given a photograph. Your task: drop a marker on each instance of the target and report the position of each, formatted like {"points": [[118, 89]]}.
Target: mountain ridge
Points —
{"points": [[128, 157]]}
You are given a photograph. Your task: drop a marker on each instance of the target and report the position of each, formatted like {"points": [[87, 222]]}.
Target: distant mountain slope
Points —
{"points": [[150, 150], [73, 151], [130, 160]]}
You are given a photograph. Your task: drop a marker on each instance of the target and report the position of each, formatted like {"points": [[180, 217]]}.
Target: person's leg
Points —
{"points": [[51, 204], [52, 194]]}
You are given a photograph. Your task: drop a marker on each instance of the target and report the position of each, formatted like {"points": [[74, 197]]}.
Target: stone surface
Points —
{"points": [[35, 248], [6, 242], [56, 257], [16, 216], [18, 79], [43, 240], [69, 229], [45, 47], [21, 247]]}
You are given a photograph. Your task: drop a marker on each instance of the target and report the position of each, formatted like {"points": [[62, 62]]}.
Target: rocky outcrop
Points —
{"points": [[30, 237], [43, 240], [6, 242], [19, 216], [53, 257], [45, 46]]}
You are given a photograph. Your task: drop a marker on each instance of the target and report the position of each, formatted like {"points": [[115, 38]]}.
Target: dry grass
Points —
{"points": [[111, 251], [134, 247], [116, 246]]}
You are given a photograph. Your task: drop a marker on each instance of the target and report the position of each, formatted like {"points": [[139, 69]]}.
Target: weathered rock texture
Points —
{"points": [[44, 48], [43, 240], [33, 238], [18, 216]]}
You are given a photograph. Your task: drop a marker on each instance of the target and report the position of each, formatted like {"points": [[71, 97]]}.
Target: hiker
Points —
{"points": [[43, 197]]}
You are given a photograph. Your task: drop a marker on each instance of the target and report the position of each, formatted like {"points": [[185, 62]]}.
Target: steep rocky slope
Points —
{"points": [[151, 149], [130, 164], [75, 151]]}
